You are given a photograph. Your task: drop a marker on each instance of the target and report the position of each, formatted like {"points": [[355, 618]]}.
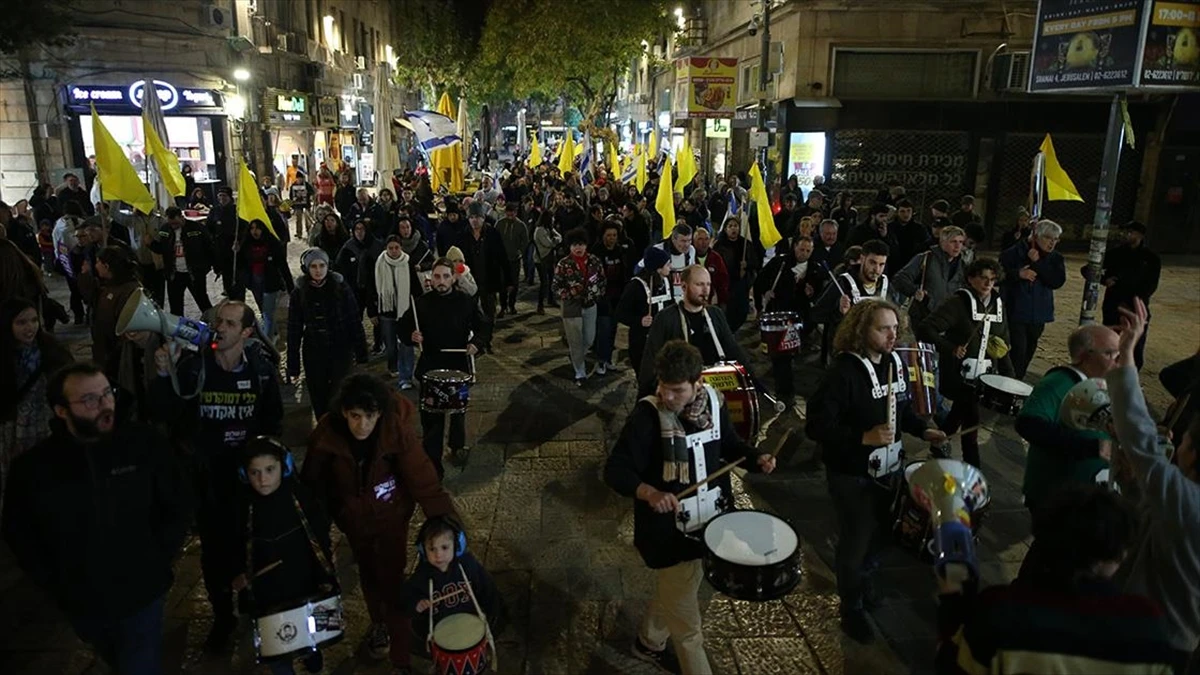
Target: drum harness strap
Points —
{"points": [[326, 563], [654, 302], [711, 331], [704, 502], [856, 295], [886, 459], [974, 367]]}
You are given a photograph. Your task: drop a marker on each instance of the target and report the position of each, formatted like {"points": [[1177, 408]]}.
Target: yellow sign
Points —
{"points": [[705, 87]]}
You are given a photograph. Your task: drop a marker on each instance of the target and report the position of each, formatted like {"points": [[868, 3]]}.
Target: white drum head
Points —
{"points": [[458, 632], [750, 538], [1007, 384], [908, 470]]}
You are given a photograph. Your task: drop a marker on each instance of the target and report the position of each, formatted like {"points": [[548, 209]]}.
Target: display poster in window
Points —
{"points": [[806, 156], [706, 87], [1171, 48], [1086, 45]]}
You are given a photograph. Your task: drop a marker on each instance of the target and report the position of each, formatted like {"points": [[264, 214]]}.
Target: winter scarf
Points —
{"points": [[676, 454], [392, 283]]}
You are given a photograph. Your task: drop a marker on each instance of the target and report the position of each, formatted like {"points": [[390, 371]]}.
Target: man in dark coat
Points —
{"points": [[1130, 271], [483, 251], [1033, 270], [878, 227]]}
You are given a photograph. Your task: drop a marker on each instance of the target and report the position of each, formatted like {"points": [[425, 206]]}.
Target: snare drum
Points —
{"points": [[741, 398], [459, 646], [780, 332], [1003, 394], [751, 555], [911, 526], [298, 629], [921, 362], [447, 391]]}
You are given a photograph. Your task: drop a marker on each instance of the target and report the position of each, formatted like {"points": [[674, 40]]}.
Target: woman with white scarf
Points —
{"points": [[396, 282]]}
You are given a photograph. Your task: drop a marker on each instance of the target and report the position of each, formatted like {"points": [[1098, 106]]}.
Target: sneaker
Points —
{"points": [[601, 369], [579, 382], [218, 636], [376, 642], [612, 365], [856, 625], [406, 385], [313, 663], [663, 658]]}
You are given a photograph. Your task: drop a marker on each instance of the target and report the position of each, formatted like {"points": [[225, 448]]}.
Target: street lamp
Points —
{"points": [[241, 74]]}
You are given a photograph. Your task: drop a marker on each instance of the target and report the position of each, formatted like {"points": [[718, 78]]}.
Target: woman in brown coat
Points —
{"points": [[365, 462]]}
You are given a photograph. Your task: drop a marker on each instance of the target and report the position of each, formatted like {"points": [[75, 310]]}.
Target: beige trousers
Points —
{"points": [[674, 612]]}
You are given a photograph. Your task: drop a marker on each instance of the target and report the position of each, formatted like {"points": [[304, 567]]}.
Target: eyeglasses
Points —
{"points": [[92, 401]]}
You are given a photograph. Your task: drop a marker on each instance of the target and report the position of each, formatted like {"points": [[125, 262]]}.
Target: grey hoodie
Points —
{"points": [[1166, 567]]}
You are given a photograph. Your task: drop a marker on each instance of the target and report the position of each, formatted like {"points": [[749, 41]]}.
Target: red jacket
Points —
{"points": [[400, 475], [720, 275]]}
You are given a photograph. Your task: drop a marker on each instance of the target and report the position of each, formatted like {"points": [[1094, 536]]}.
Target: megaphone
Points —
{"points": [[140, 313], [1087, 406], [951, 491]]}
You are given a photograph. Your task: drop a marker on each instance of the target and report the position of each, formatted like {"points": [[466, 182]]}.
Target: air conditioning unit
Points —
{"points": [[217, 17], [357, 79], [360, 62], [1010, 71], [281, 41], [317, 52]]}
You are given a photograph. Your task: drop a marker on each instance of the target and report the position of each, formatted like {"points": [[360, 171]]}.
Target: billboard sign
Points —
{"points": [[1171, 49], [1086, 45], [705, 87]]}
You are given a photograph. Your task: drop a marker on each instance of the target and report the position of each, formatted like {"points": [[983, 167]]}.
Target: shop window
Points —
{"points": [[862, 73]]}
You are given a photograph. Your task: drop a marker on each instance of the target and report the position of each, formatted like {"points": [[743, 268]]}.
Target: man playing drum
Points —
{"points": [[673, 439], [450, 330], [693, 321], [860, 282], [857, 414], [966, 329], [788, 284]]}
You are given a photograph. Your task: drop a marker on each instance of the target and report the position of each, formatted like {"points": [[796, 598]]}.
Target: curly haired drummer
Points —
{"points": [[673, 439], [857, 414], [692, 320]]}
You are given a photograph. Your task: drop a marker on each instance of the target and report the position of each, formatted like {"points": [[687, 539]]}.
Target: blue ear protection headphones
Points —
{"points": [[289, 464], [459, 536]]}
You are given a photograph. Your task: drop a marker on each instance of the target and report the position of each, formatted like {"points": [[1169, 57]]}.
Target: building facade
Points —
{"points": [[281, 83]]}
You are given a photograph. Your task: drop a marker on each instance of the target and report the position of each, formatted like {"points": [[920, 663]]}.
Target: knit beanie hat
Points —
{"points": [[655, 258], [311, 255], [455, 254]]}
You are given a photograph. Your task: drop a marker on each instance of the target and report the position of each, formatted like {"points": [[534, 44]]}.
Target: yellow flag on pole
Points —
{"points": [[640, 179], [118, 179], [687, 165], [449, 160], [768, 235], [653, 151], [664, 203], [249, 203], [614, 162], [535, 154], [1059, 186], [566, 153], [165, 161]]}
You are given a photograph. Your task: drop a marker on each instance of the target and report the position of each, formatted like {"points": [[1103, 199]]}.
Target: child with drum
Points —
{"points": [[452, 597], [286, 565]]}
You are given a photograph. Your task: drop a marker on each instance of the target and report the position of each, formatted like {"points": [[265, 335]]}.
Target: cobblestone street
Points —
{"points": [[558, 541]]}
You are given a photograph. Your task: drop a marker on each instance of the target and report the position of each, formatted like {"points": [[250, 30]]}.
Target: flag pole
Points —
{"points": [[1100, 221]]}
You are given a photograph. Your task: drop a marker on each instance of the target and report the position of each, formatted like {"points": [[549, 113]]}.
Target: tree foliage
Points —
{"points": [[25, 23], [556, 48], [439, 42]]}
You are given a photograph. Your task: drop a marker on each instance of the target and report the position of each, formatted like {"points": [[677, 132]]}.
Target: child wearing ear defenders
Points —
{"points": [[280, 521], [442, 557]]}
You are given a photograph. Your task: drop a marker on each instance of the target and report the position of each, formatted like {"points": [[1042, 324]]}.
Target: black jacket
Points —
{"points": [[197, 248], [445, 584], [487, 259], [276, 276], [1136, 271], [668, 325], [448, 321], [637, 458], [337, 331], [950, 326], [96, 526], [790, 295], [356, 263], [224, 227], [861, 234]]}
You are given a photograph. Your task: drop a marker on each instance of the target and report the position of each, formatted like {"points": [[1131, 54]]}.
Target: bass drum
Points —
{"points": [[741, 398], [751, 555]]}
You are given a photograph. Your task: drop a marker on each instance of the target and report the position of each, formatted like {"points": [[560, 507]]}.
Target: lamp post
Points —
{"points": [[763, 78]]}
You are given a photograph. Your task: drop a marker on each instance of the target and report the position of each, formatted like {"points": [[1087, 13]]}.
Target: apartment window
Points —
{"points": [[863, 73]]}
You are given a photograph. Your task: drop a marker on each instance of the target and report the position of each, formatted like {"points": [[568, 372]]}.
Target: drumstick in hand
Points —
{"points": [[964, 432], [687, 491], [266, 569]]}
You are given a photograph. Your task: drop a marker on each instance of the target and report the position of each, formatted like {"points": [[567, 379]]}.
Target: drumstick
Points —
{"points": [[416, 320], [447, 596], [687, 491], [964, 432], [924, 260], [891, 398], [453, 351], [430, 636], [482, 617], [266, 569], [833, 278]]}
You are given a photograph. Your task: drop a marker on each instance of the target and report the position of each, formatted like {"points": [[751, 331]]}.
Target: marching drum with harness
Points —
{"points": [[1005, 395]]}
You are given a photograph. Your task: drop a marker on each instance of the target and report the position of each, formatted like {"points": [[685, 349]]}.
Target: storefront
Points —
{"points": [[343, 144], [288, 118], [197, 129]]}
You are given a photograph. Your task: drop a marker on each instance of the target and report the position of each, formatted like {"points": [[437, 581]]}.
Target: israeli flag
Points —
{"points": [[585, 162], [630, 173], [733, 204], [434, 131]]}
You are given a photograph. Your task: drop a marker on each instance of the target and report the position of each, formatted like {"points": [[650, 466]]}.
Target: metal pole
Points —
{"points": [[1104, 196], [763, 77]]}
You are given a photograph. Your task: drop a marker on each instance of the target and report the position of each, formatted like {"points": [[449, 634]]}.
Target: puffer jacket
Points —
{"points": [[1031, 301]]}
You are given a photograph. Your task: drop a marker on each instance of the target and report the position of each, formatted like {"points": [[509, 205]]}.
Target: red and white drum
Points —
{"points": [[921, 362], [459, 646], [780, 332], [741, 398]]}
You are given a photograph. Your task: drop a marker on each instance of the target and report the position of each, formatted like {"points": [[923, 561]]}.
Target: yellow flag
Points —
{"points": [[1058, 184], [118, 178], [687, 165], [535, 154], [768, 235], [653, 151], [640, 179], [614, 162], [664, 203], [165, 161], [447, 160], [249, 204], [566, 153], [637, 149]]}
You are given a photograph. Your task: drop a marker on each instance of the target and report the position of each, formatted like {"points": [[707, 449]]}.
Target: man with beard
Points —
{"points": [[484, 252], [692, 320], [860, 282], [452, 330], [788, 284], [911, 234], [1131, 271], [683, 255], [94, 515], [715, 264], [224, 229], [216, 402], [878, 227], [857, 418]]}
